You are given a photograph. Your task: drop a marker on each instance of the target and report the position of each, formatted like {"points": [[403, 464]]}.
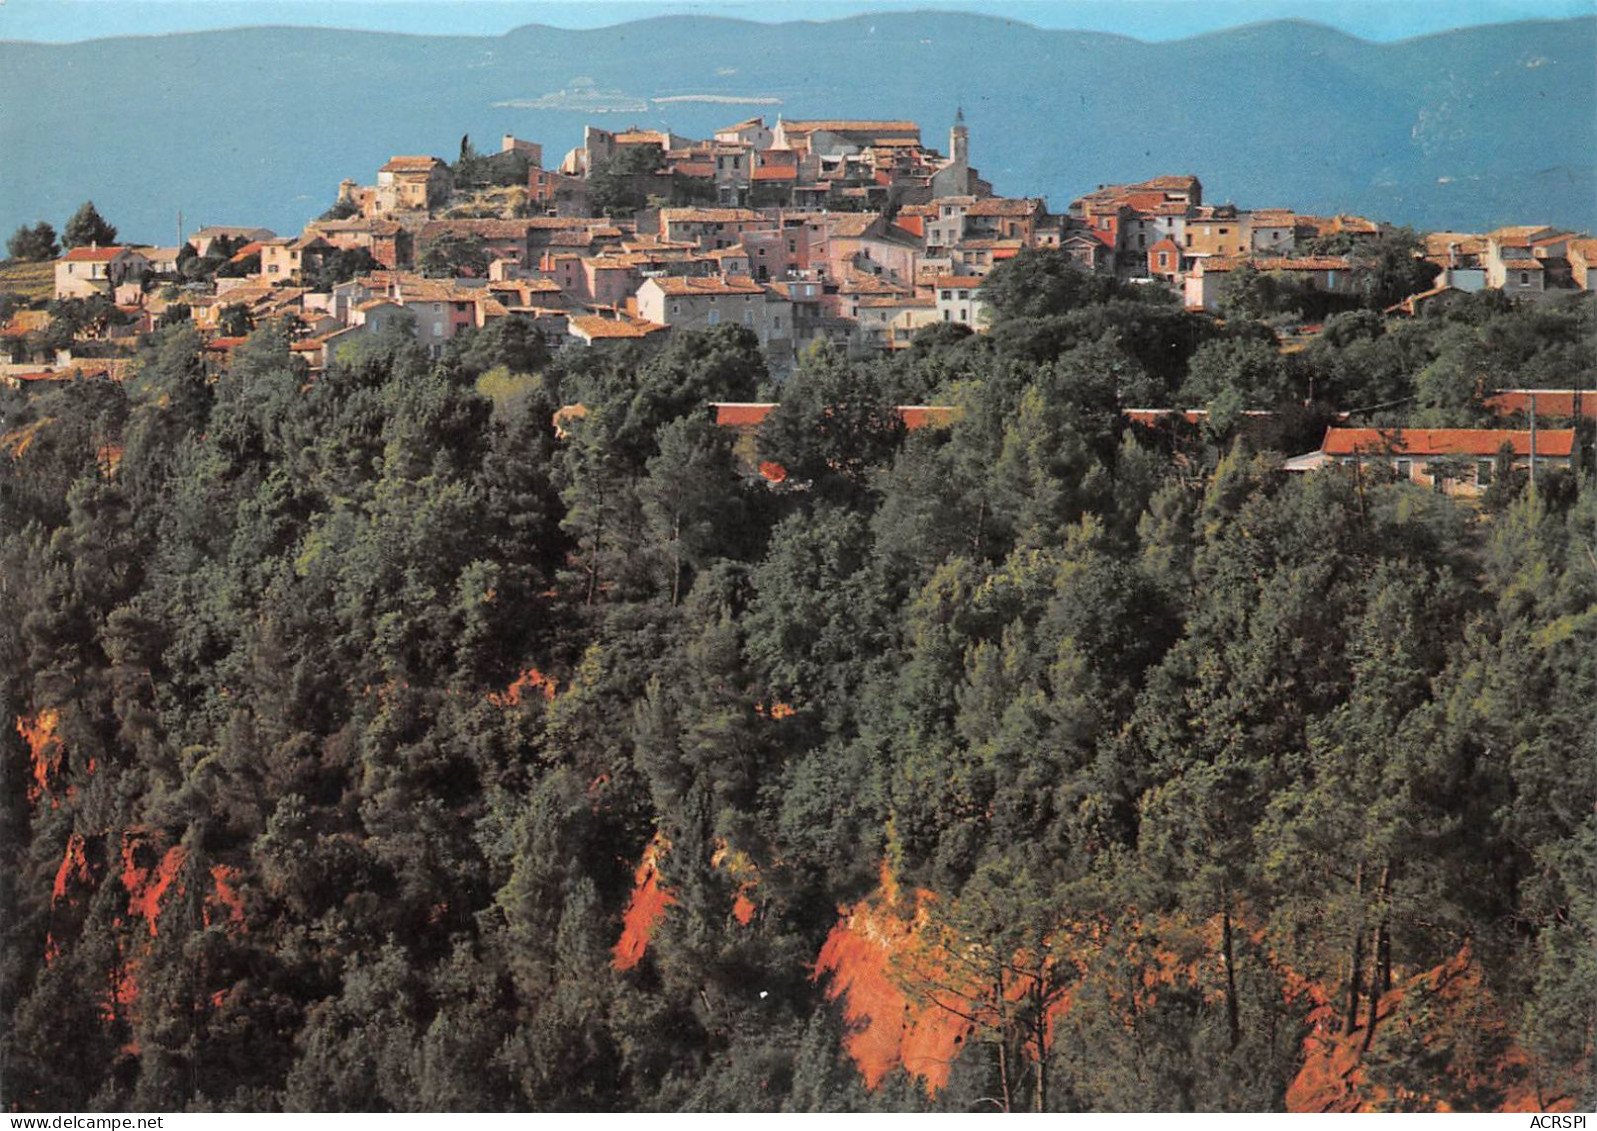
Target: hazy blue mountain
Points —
{"points": [[1468, 129]]}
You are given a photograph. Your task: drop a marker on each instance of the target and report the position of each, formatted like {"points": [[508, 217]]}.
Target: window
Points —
{"points": [[1524, 278], [964, 314], [438, 308], [1142, 240], [1483, 472], [438, 329], [748, 318], [1164, 259], [1405, 469], [948, 315], [792, 246], [714, 318]]}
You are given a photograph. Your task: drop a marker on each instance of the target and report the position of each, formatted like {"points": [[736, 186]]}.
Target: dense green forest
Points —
{"points": [[369, 746]]}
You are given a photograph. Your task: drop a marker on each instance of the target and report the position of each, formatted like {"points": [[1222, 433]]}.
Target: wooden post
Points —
{"points": [[1533, 447]]}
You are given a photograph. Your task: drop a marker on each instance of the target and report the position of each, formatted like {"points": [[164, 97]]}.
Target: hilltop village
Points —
{"points": [[768, 622], [854, 233]]}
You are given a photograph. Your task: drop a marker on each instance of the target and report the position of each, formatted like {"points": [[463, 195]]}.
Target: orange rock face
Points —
{"points": [[530, 682], [644, 911], [1446, 1008], [147, 886], [889, 1029], [44, 749]]}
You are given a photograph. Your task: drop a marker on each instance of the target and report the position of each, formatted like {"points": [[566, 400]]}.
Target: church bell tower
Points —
{"points": [[959, 140]]}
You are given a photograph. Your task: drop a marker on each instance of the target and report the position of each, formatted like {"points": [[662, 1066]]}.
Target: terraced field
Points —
{"points": [[32, 281]]}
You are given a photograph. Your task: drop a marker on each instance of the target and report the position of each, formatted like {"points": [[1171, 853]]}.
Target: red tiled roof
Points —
{"points": [[775, 173], [707, 215], [839, 125], [1549, 402], [928, 415], [1176, 183], [1145, 201], [693, 169], [677, 285], [1219, 264], [1520, 235], [595, 326], [1552, 442], [958, 281], [1002, 206], [1152, 417], [751, 414], [746, 414], [897, 301], [92, 254], [411, 165]]}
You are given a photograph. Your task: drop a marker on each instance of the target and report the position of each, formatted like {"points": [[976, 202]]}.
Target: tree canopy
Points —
{"points": [[499, 731], [87, 226]]}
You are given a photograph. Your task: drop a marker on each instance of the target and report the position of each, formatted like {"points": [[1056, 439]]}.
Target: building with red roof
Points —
{"points": [[1458, 461], [84, 272]]}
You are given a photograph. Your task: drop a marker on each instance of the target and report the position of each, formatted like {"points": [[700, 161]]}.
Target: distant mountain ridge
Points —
{"points": [[1467, 130]]}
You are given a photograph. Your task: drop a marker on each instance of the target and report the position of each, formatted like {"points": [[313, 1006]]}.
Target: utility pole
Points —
{"points": [[1533, 447], [180, 227]]}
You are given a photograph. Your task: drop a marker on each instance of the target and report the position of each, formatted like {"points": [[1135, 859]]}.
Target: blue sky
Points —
{"points": [[1380, 20]]}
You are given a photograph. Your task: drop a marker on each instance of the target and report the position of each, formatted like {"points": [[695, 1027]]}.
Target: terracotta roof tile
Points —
{"points": [[1549, 402], [1220, 264], [844, 125], [708, 215], [411, 165], [688, 285], [1552, 442], [92, 254], [1003, 206], [594, 326]]}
